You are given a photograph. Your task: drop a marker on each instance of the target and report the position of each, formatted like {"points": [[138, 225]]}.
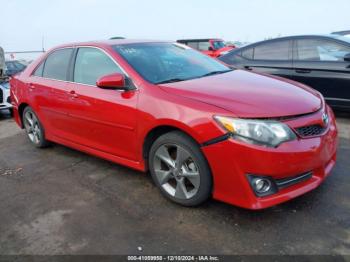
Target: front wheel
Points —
{"points": [[34, 129], [180, 170]]}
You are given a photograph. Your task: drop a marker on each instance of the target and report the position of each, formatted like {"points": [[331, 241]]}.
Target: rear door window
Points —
{"points": [[39, 70], [57, 63]]}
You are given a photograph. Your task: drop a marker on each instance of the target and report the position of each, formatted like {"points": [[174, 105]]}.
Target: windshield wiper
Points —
{"points": [[171, 80], [216, 72]]}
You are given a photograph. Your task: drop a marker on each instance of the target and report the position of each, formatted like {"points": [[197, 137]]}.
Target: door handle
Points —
{"points": [[31, 86], [73, 94], [248, 68], [303, 71]]}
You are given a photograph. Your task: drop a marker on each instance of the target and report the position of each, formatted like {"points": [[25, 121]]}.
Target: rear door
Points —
{"points": [[319, 63], [49, 92], [101, 119], [270, 57]]}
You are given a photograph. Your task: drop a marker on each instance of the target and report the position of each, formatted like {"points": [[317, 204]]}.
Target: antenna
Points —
{"points": [[42, 43]]}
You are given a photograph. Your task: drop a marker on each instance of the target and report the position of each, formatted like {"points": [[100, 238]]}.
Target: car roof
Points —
{"points": [[111, 42], [345, 32], [338, 37], [198, 40], [330, 36]]}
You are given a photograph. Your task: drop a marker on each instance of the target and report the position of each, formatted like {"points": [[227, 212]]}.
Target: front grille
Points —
{"points": [[1, 96], [313, 130], [285, 182]]}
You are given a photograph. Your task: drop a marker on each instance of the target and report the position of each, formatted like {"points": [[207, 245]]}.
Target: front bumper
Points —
{"points": [[231, 161]]}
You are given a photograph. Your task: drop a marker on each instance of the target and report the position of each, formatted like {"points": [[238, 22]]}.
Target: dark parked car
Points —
{"points": [[343, 33], [322, 62], [13, 67]]}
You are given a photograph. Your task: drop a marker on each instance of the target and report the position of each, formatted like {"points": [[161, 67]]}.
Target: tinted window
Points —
{"points": [[193, 45], [248, 53], [203, 46], [91, 64], [10, 66], [39, 70], [272, 51], [56, 65], [160, 62], [320, 50], [218, 45], [19, 65]]}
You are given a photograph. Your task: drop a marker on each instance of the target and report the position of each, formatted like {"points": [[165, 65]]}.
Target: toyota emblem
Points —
{"points": [[325, 119]]}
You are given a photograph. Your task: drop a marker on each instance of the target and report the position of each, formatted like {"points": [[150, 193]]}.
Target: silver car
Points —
{"points": [[5, 101]]}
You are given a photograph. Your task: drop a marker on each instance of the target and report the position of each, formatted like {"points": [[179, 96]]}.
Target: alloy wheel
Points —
{"points": [[176, 171], [32, 127]]}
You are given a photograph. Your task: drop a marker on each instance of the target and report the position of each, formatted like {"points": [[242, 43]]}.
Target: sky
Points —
{"points": [[27, 22]]}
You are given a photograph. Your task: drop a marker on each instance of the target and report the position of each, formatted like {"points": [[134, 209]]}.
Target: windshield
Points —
{"points": [[218, 45], [168, 62]]}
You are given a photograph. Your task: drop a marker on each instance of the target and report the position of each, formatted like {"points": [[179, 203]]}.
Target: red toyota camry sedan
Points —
{"points": [[201, 128]]}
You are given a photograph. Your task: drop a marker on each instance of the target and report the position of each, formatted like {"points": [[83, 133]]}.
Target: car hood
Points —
{"points": [[247, 94]]}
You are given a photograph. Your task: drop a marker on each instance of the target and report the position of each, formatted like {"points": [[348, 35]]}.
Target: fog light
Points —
{"points": [[262, 186]]}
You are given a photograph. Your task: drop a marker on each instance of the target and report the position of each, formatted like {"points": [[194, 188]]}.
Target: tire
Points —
{"points": [[180, 170], [34, 129], [11, 112]]}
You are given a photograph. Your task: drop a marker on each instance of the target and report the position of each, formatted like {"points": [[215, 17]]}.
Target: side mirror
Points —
{"points": [[114, 81], [347, 57], [211, 48]]}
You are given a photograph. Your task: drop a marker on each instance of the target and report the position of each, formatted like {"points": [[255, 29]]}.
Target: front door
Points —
{"points": [[273, 58], [101, 119]]}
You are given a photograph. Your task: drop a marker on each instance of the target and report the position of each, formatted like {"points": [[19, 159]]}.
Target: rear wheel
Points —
{"points": [[34, 129], [179, 169]]}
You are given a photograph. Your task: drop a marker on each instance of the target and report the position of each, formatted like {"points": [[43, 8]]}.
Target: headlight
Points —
{"points": [[260, 132]]}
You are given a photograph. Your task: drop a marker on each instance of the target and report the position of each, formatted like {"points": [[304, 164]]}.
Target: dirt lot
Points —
{"points": [[60, 201]]}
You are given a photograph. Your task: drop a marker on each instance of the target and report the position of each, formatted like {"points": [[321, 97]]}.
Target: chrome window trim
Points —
{"points": [[337, 99], [44, 61], [72, 82], [110, 57]]}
